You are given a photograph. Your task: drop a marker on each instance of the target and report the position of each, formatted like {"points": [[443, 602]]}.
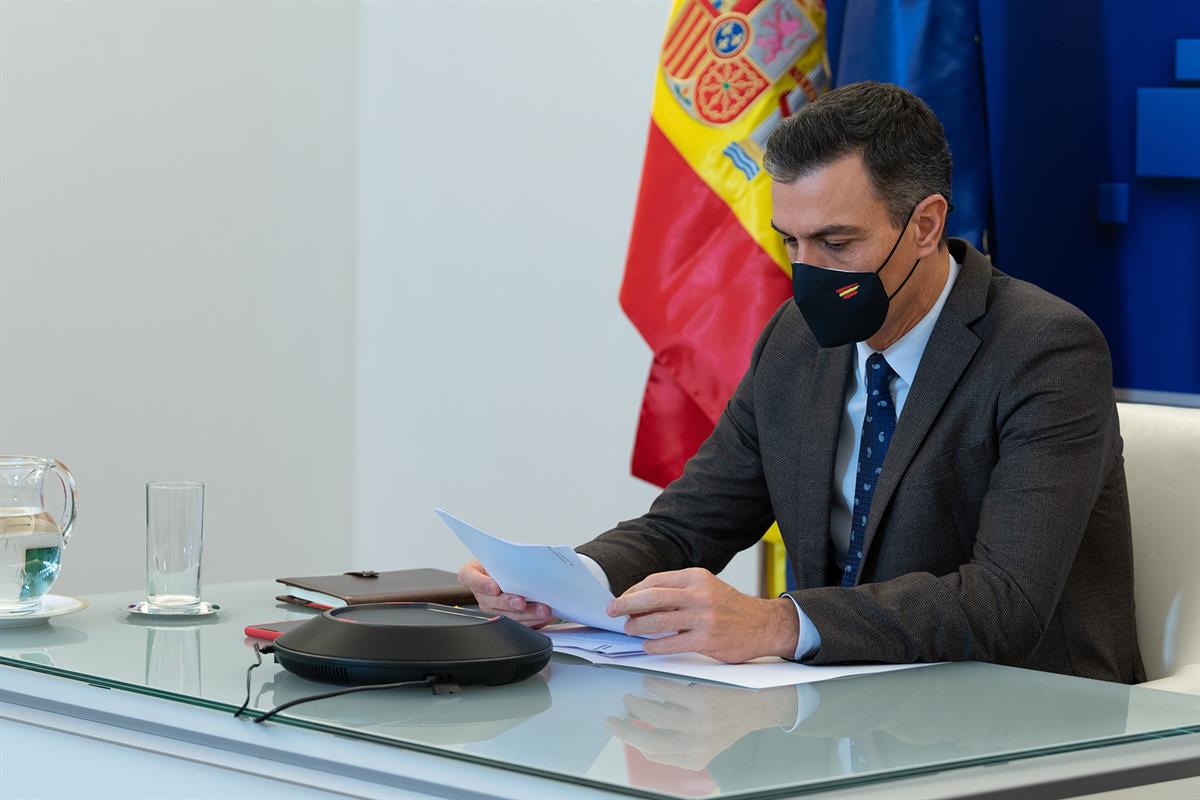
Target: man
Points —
{"points": [[938, 441]]}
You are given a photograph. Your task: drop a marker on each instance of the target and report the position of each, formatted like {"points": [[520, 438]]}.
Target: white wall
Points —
{"points": [[176, 269], [186, 189], [500, 148]]}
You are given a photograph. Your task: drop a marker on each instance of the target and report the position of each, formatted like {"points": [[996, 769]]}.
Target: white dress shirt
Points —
{"points": [[904, 356]]}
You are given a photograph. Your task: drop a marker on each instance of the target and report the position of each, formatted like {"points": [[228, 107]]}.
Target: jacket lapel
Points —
{"points": [[950, 349], [820, 416]]}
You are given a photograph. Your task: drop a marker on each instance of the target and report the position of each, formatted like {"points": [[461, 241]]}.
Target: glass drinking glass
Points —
{"points": [[174, 540]]}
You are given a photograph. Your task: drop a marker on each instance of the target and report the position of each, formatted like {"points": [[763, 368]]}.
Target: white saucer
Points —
{"points": [[142, 609], [51, 605]]}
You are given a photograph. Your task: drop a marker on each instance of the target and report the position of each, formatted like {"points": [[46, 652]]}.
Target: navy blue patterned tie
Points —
{"points": [[879, 423]]}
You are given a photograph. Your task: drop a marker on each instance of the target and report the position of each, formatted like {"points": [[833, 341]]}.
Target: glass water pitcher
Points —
{"points": [[31, 538]]}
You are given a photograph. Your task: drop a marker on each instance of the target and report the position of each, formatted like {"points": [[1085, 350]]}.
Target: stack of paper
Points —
{"points": [[579, 639]]}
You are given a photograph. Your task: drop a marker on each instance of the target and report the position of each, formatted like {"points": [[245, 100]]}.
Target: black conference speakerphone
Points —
{"points": [[375, 643]]}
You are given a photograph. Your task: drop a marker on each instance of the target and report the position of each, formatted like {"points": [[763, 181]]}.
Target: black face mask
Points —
{"points": [[844, 307]]}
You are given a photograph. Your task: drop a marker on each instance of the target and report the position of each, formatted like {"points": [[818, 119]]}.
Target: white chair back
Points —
{"points": [[1162, 469]]}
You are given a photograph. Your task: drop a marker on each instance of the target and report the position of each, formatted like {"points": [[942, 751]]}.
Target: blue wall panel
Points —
{"points": [[1061, 83], [1168, 128], [1187, 60]]}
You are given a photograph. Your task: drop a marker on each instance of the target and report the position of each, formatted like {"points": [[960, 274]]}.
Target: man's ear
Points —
{"points": [[930, 217]]}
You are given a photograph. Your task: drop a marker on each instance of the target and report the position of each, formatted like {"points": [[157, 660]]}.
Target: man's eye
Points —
{"points": [[789, 241], [834, 246]]}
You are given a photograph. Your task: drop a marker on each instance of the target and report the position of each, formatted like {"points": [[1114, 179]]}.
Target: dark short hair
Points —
{"points": [[900, 139]]}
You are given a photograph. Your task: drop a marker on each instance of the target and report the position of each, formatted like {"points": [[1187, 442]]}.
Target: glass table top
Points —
{"points": [[620, 728]]}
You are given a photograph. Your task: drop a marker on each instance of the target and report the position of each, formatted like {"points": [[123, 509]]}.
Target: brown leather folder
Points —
{"points": [[366, 586]]}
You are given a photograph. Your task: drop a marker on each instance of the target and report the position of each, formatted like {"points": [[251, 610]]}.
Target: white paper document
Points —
{"points": [[602, 647], [542, 573], [578, 640]]}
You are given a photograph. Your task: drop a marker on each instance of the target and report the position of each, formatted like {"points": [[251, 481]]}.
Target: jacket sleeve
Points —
{"points": [[718, 507], [1058, 441]]}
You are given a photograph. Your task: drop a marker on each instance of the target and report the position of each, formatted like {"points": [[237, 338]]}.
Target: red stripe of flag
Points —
{"points": [[699, 290]]}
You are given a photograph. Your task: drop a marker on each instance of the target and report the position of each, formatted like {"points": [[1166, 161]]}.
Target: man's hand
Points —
{"points": [[490, 598], [708, 616]]}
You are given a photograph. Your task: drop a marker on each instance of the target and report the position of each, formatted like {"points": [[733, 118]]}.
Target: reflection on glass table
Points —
{"points": [[941, 714]]}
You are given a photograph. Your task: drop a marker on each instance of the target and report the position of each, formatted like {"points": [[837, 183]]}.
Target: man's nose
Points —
{"points": [[807, 253]]}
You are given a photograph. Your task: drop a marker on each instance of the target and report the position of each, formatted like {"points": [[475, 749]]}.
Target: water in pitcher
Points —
{"points": [[30, 555]]}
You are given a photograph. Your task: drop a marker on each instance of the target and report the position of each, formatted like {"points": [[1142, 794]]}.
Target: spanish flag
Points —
{"points": [[704, 270]]}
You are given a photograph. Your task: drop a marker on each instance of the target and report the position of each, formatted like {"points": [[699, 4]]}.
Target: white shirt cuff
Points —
{"points": [[598, 571], [809, 639]]}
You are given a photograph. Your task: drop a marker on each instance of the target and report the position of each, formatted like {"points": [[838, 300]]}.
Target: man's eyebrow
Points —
{"points": [[837, 229]]}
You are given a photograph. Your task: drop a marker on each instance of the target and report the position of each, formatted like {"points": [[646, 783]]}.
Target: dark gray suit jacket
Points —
{"points": [[999, 529]]}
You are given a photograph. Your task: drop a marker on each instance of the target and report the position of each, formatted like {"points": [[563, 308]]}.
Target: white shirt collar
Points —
{"points": [[904, 355]]}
